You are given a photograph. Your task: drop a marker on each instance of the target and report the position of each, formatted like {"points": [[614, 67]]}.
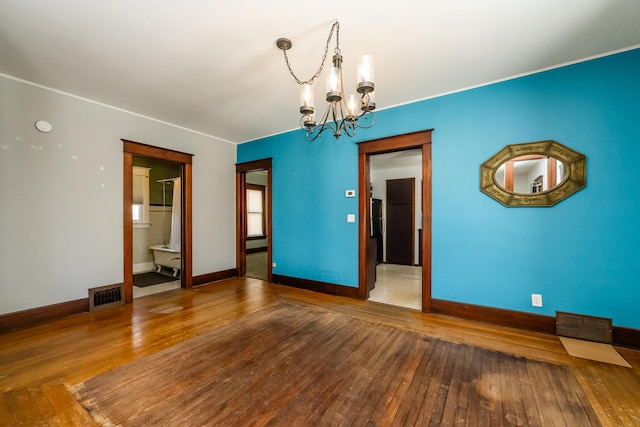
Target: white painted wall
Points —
{"points": [[61, 195], [522, 180]]}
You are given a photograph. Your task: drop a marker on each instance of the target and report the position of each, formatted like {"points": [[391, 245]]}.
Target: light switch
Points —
{"points": [[350, 193], [351, 217]]}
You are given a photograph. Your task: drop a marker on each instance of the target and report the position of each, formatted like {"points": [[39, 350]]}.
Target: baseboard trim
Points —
{"points": [[216, 276], [143, 267], [626, 337], [313, 285], [25, 318], [256, 250], [623, 337], [496, 316]]}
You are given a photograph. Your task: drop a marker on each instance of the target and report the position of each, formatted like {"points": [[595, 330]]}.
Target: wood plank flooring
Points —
{"points": [[73, 350], [291, 365], [50, 405]]}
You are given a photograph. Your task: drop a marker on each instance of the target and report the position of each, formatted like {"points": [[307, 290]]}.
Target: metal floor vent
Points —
{"points": [[106, 296], [583, 327]]}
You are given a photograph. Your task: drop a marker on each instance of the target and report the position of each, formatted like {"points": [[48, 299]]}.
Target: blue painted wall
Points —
{"points": [[582, 255]]}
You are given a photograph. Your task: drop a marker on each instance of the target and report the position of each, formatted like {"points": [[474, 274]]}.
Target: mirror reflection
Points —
{"points": [[530, 174], [540, 173]]}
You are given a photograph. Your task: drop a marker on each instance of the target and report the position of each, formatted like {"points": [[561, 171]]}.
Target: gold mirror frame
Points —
{"points": [[574, 181]]}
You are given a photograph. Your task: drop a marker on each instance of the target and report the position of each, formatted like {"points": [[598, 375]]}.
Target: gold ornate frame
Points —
{"points": [[574, 181]]}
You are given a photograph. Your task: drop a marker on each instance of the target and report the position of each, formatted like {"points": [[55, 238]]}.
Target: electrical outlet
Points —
{"points": [[273, 264], [536, 300]]}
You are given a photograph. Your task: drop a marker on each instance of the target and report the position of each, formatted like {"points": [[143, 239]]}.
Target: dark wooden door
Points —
{"points": [[400, 221]]}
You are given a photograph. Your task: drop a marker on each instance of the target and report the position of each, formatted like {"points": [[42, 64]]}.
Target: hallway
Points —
{"points": [[399, 285]]}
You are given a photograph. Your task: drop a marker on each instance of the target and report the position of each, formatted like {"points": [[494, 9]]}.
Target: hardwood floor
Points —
{"points": [[36, 362]]}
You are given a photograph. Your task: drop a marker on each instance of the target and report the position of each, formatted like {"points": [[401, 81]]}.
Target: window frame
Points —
{"points": [[262, 190], [144, 210]]}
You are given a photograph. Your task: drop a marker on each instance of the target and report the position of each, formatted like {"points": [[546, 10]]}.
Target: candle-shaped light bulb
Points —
{"points": [[365, 74], [306, 98], [333, 85], [352, 105]]}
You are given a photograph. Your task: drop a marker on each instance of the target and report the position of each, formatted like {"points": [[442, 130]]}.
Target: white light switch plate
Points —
{"points": [[351, 217], [350, 193]]}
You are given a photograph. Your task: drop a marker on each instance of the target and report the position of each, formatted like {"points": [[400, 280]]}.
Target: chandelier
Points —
{"points": [[341, 115]]}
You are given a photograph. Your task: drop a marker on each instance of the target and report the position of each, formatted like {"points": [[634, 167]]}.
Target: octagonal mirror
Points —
{"points": [[540, 173]]}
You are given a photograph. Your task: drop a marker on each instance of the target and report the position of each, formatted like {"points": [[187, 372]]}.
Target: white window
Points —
{"points": [[137, 213], [140, 208], [255, 211]]}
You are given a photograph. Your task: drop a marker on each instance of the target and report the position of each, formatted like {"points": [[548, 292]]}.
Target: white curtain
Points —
{"points": [[176, 225]]}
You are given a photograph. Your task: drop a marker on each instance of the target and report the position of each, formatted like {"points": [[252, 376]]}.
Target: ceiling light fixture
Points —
{"points": [[341, 116]]}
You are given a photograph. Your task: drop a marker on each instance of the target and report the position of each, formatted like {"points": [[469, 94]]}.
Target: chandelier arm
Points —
{"points": [[366, 117], [321, 128], [350, 128], [344, 118], [325, 115], [306, 127], [313, 137], [322, 124], [362, 113], [336, 27], [334, 113], [348, 123], [338, 119]]}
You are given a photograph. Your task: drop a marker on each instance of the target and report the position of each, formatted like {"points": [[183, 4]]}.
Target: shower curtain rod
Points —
{"points": [[168, 179]]}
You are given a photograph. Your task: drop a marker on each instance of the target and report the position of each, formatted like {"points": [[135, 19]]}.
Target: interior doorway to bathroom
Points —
{"points": [[179, 166], [157, 224], [407, 145], [253, 213]]}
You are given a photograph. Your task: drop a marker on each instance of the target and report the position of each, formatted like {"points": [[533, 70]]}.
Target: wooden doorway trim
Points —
{"points": [[241, 213], [130, 149], [407, 141]]}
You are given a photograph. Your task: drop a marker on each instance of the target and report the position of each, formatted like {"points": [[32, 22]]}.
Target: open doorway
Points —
{"points": [[182, 163], [157, 226], [369, 260], [257, 217], [396, 227], [253, 212]]}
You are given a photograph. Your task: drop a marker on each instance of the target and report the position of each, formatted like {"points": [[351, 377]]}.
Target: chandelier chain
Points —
{"points": [[336, 27]]}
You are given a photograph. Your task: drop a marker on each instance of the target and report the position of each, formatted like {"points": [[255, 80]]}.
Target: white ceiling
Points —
{"points": [[213, 67]]}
